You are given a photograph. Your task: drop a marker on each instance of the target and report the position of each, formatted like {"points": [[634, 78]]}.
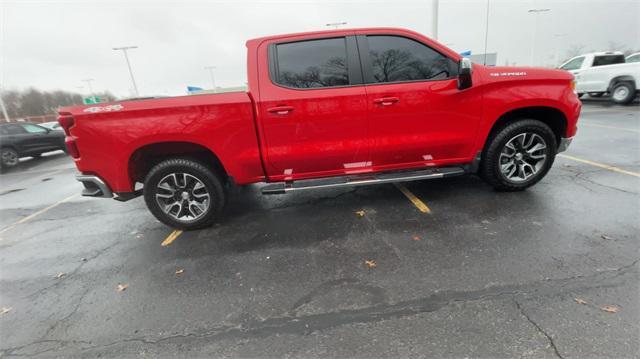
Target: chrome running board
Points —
{"points": [[361, 180]]}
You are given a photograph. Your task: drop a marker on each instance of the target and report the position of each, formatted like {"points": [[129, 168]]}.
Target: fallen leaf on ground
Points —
{"points": [[604, 236], [360, 213], [179, 271], [122, 287], [580, 301], [60, 275], [370, 263], [83, 259], [416, 238], [610, 309], [4, 310]]}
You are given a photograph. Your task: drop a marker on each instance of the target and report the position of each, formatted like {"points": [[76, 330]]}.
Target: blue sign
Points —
{"points": [[466, 53], [194, 89]]}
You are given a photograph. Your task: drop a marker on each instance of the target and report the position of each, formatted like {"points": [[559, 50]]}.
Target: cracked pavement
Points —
{"points": [[493, 275]]}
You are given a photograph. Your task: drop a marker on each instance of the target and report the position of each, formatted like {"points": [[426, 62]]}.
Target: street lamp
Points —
{"points": [[213, 79], [535, 30], [126, 56], [336, 24]]}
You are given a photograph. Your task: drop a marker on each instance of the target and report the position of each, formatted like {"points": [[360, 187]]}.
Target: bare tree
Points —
{"points": [[33, 102]]}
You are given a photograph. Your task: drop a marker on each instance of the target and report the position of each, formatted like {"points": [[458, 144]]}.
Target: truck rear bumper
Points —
{"points": [[94, 186], [564, 144]]}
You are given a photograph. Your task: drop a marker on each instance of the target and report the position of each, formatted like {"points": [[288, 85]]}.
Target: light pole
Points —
{"points": [[4, 109], [336, 24], [535, 30], [213, 79], [486, 35], [88, 81], [126, 56], [434, 19]]}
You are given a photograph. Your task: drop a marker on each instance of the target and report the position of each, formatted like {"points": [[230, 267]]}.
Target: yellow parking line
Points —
{"points": [[602, 165], [36, 214], [171, 237], [415, 200], [582, 123]]}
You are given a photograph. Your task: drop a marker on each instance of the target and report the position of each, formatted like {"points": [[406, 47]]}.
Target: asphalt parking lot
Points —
{"points": [[442, 268]]}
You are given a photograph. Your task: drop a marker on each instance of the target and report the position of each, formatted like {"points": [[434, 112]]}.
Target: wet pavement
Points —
{"points": [[340, 273]]}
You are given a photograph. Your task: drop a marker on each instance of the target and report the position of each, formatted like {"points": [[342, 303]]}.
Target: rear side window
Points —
{"points": [[11, 130], [574, 64], [312, 64], [395, 58], [608, 60]]}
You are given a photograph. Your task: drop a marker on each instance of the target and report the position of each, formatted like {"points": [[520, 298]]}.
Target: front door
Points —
{"points": [[418, 117], [313, 109]]}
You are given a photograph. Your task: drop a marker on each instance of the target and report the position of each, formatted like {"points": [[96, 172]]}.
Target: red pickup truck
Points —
{"points": [[326, 109]]}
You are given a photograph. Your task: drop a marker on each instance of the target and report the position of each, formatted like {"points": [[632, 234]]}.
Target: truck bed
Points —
{"points": [[222, 123]]}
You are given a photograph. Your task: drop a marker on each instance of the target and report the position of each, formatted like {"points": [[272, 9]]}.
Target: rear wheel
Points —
{"points": [[184, 194], [8, 157], [518, 155], [623, 93]]}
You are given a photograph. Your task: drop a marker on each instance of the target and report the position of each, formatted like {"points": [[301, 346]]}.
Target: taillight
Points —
{"points": [[66, 121], [71, 147]]}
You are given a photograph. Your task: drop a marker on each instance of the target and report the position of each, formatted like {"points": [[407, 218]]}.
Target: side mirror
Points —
{"points": [[464, 74]]}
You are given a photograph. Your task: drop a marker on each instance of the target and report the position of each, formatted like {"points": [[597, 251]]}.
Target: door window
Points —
{"points": [[34, 128], [312, 64], [608, 60], [11, 130], [633, 58], [573, 64], [395, 59]]}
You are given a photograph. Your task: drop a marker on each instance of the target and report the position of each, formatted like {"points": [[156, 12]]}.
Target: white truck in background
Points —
{"points": [[601, 73]]}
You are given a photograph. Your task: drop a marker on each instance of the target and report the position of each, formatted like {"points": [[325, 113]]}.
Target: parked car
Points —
{"points": [[603, 73], [54, 125], [22, 139], [327, 109]]}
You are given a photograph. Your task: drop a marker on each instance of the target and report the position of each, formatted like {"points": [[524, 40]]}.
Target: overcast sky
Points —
{"points": [[56, 44]]}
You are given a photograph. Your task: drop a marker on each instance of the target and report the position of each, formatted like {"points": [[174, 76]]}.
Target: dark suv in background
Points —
{"points": [[27, 139]]}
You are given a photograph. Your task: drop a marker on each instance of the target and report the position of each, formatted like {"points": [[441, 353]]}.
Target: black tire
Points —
{"points": [[596, 94], [194, 169], [628, 90], [9, 157], [490, 167]]}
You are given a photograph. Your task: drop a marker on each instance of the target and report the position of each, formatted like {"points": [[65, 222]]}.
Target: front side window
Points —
{"points": [[608, 60], [573, 64], [634, 58], [312, 64], [34, 128], [395, 58]]}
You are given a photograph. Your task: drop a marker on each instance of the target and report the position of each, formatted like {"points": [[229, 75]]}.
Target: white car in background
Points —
{"points": [[602, 73]]}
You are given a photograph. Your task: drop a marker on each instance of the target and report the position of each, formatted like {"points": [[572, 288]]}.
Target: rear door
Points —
{"points": [[418, 117], [312, 108], [16, 135]]}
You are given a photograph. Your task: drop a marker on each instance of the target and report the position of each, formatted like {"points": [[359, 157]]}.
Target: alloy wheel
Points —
{"points": [[183, 196], [522, 157]]}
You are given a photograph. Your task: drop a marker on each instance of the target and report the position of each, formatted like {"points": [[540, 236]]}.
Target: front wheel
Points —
{"points": [[184, 194], [518, 155]]}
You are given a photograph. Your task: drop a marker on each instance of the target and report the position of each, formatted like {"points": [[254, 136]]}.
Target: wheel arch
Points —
{"points": [[551, 116], [624, 78], [144, 158]]}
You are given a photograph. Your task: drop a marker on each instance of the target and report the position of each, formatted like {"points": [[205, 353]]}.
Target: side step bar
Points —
{"points": [[362, 180]]}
